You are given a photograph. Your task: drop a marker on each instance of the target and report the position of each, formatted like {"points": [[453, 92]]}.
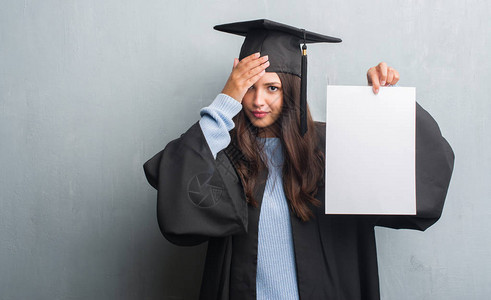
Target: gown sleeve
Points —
{"points": [[199, 197], [434, 166]]}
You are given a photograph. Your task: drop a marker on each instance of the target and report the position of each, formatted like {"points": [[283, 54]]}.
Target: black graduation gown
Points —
{"points": [[201, 199]]}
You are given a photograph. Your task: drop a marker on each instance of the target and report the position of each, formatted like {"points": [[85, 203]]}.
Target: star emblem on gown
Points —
{"points": [[202, 193]]}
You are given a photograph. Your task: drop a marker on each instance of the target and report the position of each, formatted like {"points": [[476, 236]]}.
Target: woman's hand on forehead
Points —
{"points": [[382, 75], [244, 74]]}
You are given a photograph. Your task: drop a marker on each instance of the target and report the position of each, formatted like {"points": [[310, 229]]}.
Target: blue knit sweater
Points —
{"points": [[276, 276]]}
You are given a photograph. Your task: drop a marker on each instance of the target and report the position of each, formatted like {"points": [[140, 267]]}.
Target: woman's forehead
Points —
{"points": [[270, 77]]}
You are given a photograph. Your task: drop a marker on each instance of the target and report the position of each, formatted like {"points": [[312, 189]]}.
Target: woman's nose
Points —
{"points": [[258, 100]]}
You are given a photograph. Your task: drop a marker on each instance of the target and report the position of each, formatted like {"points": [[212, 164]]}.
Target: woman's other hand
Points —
{"points": [[381, 75], [244, 74]]}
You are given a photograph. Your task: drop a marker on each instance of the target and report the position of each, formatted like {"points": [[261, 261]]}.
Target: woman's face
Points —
{"points": [[263, 101]]}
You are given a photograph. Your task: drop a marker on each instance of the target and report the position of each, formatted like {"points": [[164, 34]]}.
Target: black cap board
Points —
{"points": [[281, 43]]}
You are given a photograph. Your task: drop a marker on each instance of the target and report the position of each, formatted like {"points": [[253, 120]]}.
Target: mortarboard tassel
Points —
{"points": [[303, 91]]}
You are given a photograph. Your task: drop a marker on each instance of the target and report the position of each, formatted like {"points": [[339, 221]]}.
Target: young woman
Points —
{"points": [[246, 179]]}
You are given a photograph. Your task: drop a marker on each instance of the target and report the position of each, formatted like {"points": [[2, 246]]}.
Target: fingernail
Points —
{"points": [[266, 57], [258, 54], [382, 82], [376, 91]]}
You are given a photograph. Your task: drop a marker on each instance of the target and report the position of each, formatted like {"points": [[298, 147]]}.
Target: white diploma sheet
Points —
{"points": [[371, 150]]}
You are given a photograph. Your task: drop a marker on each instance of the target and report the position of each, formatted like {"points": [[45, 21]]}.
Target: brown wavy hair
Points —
{"points": [[303, 166]]}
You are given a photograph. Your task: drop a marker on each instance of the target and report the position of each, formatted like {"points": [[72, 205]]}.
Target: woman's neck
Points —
{"points": [[268, 132]]}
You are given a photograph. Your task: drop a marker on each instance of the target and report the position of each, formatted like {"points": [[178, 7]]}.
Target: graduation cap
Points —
{"points": [[282, 44]]}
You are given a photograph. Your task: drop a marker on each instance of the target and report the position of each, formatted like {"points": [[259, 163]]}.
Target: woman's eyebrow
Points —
{"points": [[272, 83]]}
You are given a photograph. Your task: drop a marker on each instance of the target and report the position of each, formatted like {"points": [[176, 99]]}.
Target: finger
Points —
{"points": [[374, 79], [254, 71], [250, 57], [369, 75], [396, 77], [251, 64], [390, 75], [382, 70], [236, 61], [251, 68], [255, 78]]}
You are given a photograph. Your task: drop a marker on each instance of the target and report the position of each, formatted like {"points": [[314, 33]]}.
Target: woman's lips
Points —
{"points": [[259, 114]]}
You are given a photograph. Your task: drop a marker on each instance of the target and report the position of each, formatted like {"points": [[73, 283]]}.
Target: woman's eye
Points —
{"points": [[272, 88]]}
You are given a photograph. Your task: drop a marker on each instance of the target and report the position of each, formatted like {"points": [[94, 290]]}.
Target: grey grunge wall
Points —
{"points": [[89, 90]]}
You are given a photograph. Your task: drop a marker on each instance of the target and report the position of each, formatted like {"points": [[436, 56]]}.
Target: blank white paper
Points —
{"points": [[371, 150]]}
